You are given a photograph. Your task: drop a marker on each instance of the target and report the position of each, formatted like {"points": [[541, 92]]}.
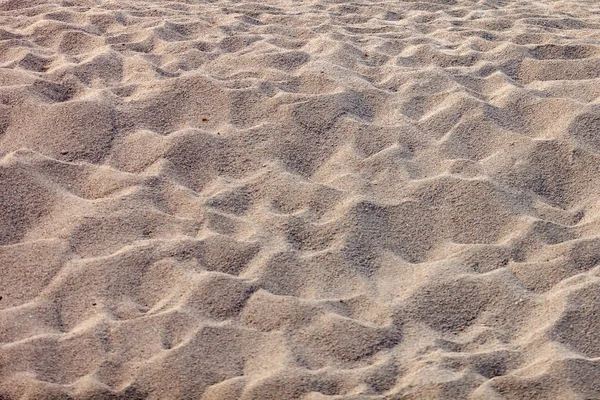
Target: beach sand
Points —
{"points": [[299, 199]]}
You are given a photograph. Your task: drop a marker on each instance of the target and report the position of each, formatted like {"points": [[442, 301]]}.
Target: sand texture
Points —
{"points": [[299, 199]]}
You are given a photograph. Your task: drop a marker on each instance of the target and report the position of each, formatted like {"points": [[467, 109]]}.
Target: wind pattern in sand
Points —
{"points": [[299, 199]]}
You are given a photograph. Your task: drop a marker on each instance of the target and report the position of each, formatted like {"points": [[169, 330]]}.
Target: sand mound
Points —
{"points": [[299, 200]]}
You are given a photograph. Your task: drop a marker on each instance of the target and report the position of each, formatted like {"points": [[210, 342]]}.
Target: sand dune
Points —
{"points": [[299, 199]]}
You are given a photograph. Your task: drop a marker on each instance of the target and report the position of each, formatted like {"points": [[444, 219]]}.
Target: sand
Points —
{"points": [[299, 199]]}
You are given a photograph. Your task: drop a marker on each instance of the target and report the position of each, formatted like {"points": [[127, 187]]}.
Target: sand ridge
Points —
{"points": [[299, 200]]}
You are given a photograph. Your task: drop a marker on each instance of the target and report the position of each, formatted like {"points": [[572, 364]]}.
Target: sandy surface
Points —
{"points": [[299, 199]]}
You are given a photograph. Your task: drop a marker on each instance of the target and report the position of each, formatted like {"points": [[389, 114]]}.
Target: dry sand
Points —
{"points": [[299, 199]]}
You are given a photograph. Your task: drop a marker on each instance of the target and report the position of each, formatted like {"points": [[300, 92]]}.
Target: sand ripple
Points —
{"points": [[299, 200]]}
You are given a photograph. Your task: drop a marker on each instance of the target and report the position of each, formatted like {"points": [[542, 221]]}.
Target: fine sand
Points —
{"points": [[216, 199]]}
